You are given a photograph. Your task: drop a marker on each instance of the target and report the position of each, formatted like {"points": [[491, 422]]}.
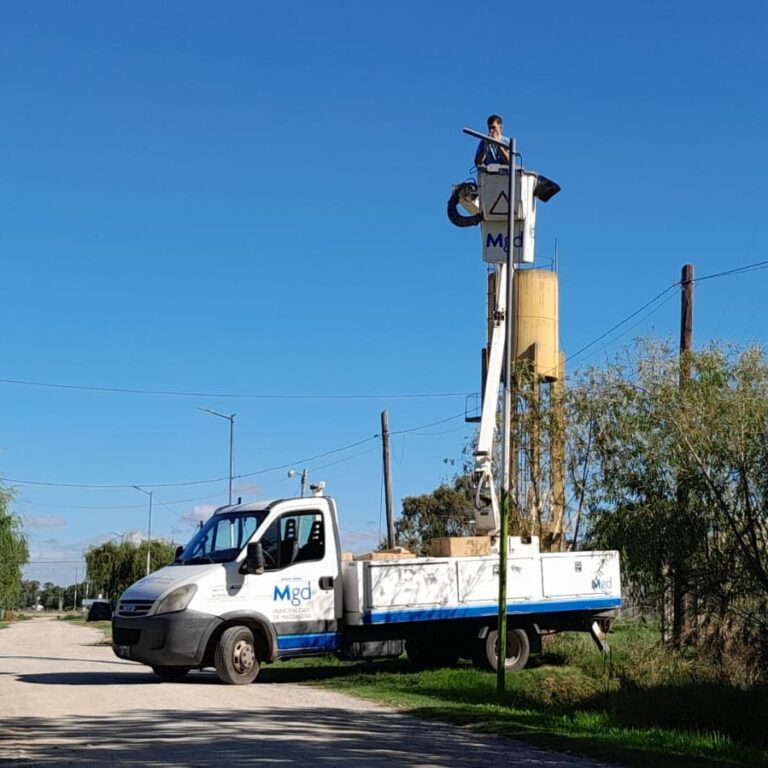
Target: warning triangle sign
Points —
{"points": [[500, 206]]}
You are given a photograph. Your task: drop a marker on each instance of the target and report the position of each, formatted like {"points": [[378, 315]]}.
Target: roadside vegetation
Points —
{"points": [[641, 704]]}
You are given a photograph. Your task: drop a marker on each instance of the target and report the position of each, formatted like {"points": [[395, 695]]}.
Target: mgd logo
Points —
{"points": [[502, 241], [604, 585], [294, 595]]}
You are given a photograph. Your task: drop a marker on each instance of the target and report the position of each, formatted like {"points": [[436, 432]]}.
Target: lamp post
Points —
{"points": [[231, 419], [507, 480], [149, 524], [304, 472]]}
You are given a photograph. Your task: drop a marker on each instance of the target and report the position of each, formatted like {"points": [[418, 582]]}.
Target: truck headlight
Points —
{"points": [[177, 600]]}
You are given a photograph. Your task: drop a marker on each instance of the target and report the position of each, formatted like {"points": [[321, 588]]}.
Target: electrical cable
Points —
{"points": [[266, 470], [233, 395], [737, 270], [622, 322]]}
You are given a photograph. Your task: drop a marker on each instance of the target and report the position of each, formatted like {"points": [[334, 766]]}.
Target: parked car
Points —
{"points": [[100, 610]]}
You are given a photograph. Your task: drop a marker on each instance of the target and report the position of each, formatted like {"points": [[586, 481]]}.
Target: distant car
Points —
{"points": [[100, 610]]}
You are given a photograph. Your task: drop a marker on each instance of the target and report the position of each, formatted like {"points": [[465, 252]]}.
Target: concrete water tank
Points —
{"points": [[535, 314]]}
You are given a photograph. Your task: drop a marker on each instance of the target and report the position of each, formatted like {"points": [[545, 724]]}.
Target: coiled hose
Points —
{"points": [[465, 189]]}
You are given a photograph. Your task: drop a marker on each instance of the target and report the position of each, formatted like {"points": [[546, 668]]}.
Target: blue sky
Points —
{"points": [[241, 198]]}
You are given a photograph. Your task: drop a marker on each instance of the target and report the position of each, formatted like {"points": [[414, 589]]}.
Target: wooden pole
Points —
{"points": [[681, 602], [387, 479], [686, 322], [557, 454]]}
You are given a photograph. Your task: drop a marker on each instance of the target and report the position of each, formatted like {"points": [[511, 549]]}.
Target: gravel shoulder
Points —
{"points": [[65, 699]]}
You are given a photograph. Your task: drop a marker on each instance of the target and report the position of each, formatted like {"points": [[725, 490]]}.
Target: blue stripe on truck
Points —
{"points": [[477, 611], [322, 641]]}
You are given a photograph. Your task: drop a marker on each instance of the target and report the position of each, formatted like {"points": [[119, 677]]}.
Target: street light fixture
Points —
{"points": [[231, 419], [304, 473], [149, 525]]}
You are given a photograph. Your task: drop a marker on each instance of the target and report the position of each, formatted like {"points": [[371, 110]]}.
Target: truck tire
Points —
{"points": [[235, 657], [170, 674], [518, 650], [430, 655]]}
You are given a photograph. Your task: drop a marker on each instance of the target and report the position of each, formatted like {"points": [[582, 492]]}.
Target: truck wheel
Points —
{"points": [[518, 650], [235, 657], [170, 674]]}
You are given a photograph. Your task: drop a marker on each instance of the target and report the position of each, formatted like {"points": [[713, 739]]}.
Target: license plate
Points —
{"points": [[123, 651]]}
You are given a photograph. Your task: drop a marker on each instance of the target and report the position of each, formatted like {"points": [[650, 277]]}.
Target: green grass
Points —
{"points": [[641, 705]]}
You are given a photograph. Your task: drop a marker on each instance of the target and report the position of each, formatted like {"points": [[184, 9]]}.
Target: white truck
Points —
{"points": [[266, 581]]}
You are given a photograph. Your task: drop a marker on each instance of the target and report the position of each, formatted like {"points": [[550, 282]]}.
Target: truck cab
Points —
{"points": [[257, 582]]}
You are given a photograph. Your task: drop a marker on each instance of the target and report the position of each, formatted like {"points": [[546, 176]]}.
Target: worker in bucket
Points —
{"points": [[489, 153]]}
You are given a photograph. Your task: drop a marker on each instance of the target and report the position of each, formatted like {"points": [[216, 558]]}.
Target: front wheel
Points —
{"points": [[170, 674], [235, 657], [516, 657]]}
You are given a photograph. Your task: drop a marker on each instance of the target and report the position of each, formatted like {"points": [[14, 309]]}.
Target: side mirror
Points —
{"points": [[254, 559], [176, 556]]}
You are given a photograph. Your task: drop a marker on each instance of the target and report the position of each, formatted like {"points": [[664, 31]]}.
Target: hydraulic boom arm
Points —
{"points": [[487, 516]]}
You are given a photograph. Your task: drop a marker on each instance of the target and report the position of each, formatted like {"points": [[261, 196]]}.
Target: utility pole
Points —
{"points": [[387, 478], [506, 460], [149, 526], [304, 474], [686, 322], [231, 419], [681, 603]]}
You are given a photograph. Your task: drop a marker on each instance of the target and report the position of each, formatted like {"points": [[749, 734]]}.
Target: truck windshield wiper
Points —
{"points": [[199, 559]]}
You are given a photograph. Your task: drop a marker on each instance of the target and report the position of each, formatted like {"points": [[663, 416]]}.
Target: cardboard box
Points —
{"points": [[398, 553], [460, 546], [346, 556]]}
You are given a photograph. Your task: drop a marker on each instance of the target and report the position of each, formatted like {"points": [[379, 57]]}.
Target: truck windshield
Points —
{"points": [[222, 538]]}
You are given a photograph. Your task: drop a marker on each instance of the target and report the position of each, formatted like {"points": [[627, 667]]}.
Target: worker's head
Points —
{"points": [[495, 124]]}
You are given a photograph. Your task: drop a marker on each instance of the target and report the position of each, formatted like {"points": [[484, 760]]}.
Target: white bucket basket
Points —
{"points": [[493, 187]]}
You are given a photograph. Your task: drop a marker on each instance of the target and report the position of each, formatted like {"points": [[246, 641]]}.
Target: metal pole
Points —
{"points": [[231, 454], [387, 478], [506, 431], [231, 419], [303, 483], [149, 532]]}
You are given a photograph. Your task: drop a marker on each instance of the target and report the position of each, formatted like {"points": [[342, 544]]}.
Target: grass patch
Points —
{"points": [[640, 705]]}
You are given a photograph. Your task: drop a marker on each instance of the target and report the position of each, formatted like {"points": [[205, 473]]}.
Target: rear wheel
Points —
{"points": [[518, 650], [170, 674], [235, 657]]}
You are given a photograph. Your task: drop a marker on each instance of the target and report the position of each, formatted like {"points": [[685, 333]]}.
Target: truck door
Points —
{"points": [[299, 580]]}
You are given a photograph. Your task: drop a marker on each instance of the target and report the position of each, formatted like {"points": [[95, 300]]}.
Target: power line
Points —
{"points": [[622, 322], [736, 271], [232, 395], [286, 465]]}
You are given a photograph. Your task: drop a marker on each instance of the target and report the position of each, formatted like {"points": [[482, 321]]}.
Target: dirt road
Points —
{"points": [[66, 700]]}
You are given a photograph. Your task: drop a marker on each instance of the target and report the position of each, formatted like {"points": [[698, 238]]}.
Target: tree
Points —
{"points": [[113, 567], [14, 553], [446, 511], [30, 589], [646, 436]]}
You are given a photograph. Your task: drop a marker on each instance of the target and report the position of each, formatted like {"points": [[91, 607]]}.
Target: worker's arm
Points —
{"points": [[482, 148]]}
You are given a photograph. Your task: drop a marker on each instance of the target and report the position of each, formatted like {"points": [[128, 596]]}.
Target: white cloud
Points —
{"points": [[200, 512], [44, 521]]}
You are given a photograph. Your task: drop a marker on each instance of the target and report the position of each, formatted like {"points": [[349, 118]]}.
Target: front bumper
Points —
{"points": [[169, 640]]}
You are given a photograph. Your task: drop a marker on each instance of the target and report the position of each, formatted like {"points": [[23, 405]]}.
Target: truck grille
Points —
{"points": [[134, 608]]}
